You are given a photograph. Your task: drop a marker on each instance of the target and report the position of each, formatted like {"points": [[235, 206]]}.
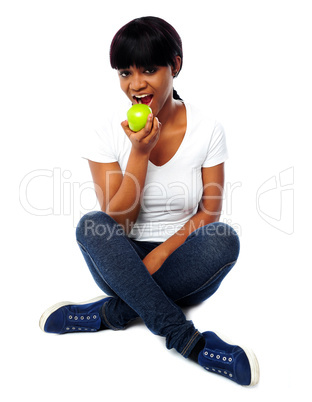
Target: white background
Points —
{"points": [[249, 63]]}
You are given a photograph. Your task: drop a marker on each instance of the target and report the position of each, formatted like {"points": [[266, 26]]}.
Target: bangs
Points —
{"points": [[141, 45]]}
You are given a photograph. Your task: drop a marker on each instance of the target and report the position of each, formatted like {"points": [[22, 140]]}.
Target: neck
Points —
{"points": [[169, 111]]}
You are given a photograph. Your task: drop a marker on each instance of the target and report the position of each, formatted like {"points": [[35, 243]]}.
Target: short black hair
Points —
{"points": [[145, 42]]}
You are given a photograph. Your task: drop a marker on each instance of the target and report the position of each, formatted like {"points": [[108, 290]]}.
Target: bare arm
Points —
{"points": [[119, 195], [209, 211]]}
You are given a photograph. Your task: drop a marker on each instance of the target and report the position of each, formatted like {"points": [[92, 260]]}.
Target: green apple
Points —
{"points": [[137, 116]]}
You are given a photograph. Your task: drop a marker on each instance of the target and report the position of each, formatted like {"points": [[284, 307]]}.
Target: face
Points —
{"points": [[152, 86]]}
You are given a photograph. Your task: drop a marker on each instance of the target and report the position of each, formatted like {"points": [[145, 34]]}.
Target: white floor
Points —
{"points": [[249, 62]]}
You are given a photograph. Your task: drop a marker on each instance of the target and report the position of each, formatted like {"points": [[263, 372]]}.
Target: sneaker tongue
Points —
{"points": [[146, 100]]}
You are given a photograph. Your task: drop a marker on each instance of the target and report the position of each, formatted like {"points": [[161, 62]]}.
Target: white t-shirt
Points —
{"points": [[172, 191]]}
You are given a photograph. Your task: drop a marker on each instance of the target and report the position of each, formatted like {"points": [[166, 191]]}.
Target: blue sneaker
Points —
{"points": [[231, 361], [68, 317]]}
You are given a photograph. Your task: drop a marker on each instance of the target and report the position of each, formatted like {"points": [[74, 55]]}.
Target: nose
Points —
{"points": [[137, 82]]}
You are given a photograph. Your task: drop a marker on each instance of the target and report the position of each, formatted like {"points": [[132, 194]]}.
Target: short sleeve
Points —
{"points": [[217, 149], [98, 145]]}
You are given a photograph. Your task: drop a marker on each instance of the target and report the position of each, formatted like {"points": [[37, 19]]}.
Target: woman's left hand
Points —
{"points": [[154, 260]]}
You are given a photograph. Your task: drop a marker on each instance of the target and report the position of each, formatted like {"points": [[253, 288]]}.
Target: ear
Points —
{"points": [[176, 68]]}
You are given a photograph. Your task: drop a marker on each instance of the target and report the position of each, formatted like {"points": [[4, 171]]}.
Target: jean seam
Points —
{"points": [[98, 271], [190, 342], [103, 310], [206, 283]]}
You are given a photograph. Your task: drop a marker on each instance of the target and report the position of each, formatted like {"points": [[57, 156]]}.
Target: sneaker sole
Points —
{"points": [[253, 361], [50, 310]]}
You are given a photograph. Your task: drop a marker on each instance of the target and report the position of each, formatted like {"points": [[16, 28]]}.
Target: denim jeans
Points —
{"points": [[190, 275]]}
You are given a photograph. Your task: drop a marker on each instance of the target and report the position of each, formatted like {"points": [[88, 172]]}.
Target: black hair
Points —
{"points": [[146, 42]]}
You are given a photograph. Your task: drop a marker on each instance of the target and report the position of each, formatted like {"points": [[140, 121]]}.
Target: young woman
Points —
{"points": [[157, 243]]}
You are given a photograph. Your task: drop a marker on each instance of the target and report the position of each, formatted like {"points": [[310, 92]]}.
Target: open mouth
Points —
{"points": [[145, 99]]}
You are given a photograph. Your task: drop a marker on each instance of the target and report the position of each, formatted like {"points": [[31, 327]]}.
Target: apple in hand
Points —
{"points": [[137, 116]]}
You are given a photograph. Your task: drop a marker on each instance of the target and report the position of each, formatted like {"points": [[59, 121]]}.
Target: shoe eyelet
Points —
{"points": [[230, 359], [70, 317], [211, 355], [88, 317], [82, 317], [224, 359], [205, 353], [75, 318], [218, 357], [94, 317]]}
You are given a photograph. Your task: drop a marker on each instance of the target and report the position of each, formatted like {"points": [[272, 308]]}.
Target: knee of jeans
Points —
{"points": [[90, 224], [224, 236], [229, 238]]}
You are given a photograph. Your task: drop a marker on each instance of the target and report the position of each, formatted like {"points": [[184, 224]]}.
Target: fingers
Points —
{"points": [[125, 126], [150, 130], [149, 125], [139, 134]]}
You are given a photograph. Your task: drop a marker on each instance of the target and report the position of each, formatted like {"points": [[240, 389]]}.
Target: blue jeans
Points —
{"points": [[190, 275]]}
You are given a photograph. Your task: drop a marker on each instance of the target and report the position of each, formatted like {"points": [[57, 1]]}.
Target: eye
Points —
{"points": [[124, 73], [150, 70]]}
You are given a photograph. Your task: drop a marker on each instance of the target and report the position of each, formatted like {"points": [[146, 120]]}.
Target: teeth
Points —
{"points": [[140, 96]]}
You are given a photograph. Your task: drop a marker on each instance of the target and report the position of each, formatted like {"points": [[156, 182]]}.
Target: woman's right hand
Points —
{"points": [[144, 140], [119, 192]]}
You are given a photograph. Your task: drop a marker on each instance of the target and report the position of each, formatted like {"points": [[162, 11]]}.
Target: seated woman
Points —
{"points": [[157, 244]]}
